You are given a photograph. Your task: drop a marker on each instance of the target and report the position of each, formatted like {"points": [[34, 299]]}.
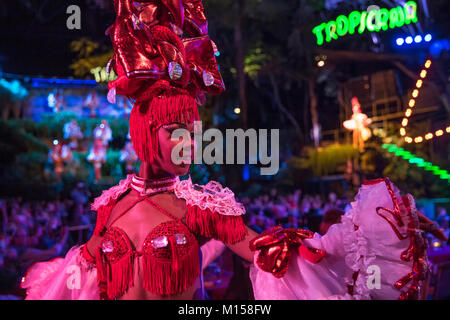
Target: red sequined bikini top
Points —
{"points": [[170, 252], [169, 264]]}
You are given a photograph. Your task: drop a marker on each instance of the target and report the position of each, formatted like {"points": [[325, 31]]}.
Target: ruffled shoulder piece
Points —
{"points": [[212, 211], [112, 193], [211, 196], [106, 202]]}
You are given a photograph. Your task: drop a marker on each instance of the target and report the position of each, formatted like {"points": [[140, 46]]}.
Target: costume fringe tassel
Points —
{"points": [[228, 229], [170, 276]]}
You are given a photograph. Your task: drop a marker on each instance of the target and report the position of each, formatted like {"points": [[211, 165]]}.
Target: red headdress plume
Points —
{"points": [[165, 62]]}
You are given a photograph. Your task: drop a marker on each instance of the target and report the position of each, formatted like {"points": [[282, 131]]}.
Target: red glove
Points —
{"points": [[276, 245]]}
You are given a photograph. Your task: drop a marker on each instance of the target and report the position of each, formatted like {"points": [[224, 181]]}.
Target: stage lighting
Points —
{"points": [[418, 39], [409, 40], [428, 37]]}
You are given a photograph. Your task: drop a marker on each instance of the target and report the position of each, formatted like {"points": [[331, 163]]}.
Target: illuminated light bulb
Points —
{"points": [[402, 131], [439, 133], [320, 63], [429, 136], [55, 142], [418, 139], [447, 129], [428, 37], [408, 139], [412, 102], [415, 93], [400, 41], [409, 40], [419, 83], [418, 39], [237, 110], [404, 122], [423, 73], [427, 64], [436, 244], [408, 112]]}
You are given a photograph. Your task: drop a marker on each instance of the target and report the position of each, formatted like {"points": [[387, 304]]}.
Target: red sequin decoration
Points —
{"points": [[166, 271]]}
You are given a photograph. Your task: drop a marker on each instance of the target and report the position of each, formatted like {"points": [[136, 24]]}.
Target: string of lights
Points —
{"points": [[419, 162], [412, 40], [409, 111]]}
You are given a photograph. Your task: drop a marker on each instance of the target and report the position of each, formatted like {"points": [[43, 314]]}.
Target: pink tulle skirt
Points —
{"points": [[69, 278]]}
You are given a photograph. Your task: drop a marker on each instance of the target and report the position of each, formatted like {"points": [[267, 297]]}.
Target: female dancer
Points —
{"points": [[150, 227]]}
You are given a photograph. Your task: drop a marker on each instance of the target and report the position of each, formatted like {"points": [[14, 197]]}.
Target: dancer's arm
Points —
{"points": [[242, 248]]}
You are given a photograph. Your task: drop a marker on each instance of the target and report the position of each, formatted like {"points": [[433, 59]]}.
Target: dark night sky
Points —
{"points": [[36, 41]]}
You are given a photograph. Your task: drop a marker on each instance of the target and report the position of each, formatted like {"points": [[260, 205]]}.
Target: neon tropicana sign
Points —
{"points": [[374, 20]]}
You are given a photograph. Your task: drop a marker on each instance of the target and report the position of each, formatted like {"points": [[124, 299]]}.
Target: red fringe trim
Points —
{"points": [[228, 229], [170, 276], [147, 116], [120, 276], [101, 274], [103, 214]]}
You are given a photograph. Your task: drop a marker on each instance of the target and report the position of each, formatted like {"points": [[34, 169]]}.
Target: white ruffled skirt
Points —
{"points": [[367, 259]]}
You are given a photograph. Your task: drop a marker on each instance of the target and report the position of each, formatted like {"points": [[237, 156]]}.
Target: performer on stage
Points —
{"points": [[56, 100], [92, 103], [359, 125], [150, 227], [73, 133], [59, 155], [97, 156], [103, 132]]}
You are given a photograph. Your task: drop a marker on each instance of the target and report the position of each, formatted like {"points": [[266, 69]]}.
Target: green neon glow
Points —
{"points": [[419, 162], [416, 160], [318, 32], [421, 165], [354, 20], [384, 18], [330, 31], [411, 12], [362, 22], [342, 25], [373, 21]]}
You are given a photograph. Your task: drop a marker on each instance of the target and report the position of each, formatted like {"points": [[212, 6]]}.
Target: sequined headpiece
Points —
{"points": [[165, 62]]}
